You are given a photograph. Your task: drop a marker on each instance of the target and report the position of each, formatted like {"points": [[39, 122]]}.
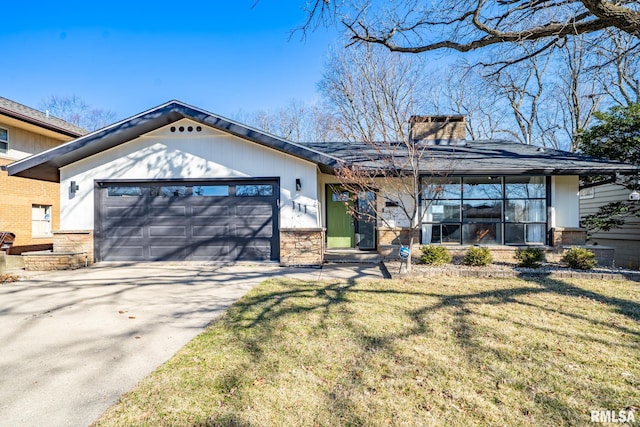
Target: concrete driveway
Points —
{"points": [[73, 341]]}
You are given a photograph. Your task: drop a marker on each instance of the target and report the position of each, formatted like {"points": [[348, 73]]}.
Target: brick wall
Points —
{"points": [[302, 246], [437, 127], [17, 195]]}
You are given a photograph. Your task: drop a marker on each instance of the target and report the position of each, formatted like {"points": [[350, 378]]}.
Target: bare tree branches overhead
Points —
{"points": [[416, 26], [74, 110]]}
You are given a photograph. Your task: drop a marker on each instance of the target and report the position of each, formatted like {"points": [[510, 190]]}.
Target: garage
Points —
{"points": [[204, 220]]}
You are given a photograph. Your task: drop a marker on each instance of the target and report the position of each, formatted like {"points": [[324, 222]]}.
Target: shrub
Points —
{"points": [[580, 259], [529, 257], [477, 256], [435, 255]]}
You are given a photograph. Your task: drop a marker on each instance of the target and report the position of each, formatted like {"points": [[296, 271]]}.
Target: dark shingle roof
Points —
{"points": [[487, 157], [30, 115], [46, 165]]}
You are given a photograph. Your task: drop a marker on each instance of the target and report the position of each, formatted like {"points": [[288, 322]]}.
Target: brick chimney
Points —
{"points": [[431, 128]]}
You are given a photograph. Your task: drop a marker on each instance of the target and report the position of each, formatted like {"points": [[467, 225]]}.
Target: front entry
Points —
{"points": [[343, 230]]}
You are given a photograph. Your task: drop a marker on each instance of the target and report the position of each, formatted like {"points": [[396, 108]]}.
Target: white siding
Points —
{"points": [[565, 203], [163, 154]]}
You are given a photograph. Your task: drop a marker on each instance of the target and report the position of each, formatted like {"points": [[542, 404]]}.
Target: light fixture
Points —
{"points": [[73, 187], [298, 184]]}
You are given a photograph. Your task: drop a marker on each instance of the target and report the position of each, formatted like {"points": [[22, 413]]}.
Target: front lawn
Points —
{"points": [[444, 351]]}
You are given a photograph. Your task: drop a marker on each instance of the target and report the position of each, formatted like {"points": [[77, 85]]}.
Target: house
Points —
{"points": [[625, 240], [179, 183], [29, 209]]}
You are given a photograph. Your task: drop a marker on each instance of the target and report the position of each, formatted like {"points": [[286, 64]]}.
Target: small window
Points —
{"points": [[254, 190], [169, 191], [4, 140], [124, 191], [211, 190], [340, 196], [41, 220]]}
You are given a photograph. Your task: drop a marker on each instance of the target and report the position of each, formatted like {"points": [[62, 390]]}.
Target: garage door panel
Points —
{"points": [[125, 232], [167, 211], [254, 230], [125, 211], [205, 252], [129, 252], [219, 227], [167, 252], [168, 231], [210, 211], [254, 210], [210, 231], [248, 253]]}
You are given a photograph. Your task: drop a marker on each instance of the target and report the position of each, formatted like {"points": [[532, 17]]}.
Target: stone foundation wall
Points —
{"points": [[568, 236], [74, 241], [387, 236], [44, 261], [302, 246]]}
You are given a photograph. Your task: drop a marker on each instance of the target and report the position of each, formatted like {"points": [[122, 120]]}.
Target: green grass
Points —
{"points": [[455, 352]]}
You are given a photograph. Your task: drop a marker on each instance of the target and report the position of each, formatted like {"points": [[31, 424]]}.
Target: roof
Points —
{"points": [[480, 157], [45, 166], [29, 115], [441, 157]]}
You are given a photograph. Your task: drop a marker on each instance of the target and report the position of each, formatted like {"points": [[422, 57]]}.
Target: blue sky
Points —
{"points": [[224, 56]]}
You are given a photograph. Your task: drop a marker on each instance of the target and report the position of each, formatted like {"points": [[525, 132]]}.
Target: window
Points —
{"points": [[41, 220], [211, 190], [169, 191], [484, 210], [4, 140], [254, 190], [124, 192]]}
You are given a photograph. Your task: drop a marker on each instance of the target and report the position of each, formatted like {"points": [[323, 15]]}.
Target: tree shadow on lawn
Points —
{"points": [[263, 312]]}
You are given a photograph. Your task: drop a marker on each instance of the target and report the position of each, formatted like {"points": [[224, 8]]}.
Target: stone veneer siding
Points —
{"points": [[568, 236], [71, 250], [302, 246], [74, 241], [45, 261]]}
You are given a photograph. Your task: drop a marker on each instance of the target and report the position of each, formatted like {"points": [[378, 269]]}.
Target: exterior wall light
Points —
{"points": [[298, 184], [73, 187]]}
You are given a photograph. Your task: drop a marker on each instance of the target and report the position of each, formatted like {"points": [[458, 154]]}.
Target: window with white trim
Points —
{"points": [[41, 220], [4, 140]]}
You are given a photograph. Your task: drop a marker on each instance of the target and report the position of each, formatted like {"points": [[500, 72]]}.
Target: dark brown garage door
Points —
{"points": [[192, 221]]}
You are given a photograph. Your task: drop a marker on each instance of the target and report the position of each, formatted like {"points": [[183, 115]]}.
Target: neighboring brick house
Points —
{"points": [[29, 208]]}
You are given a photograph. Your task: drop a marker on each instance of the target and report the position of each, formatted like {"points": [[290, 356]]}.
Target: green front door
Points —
{"points": [[340, 227]]}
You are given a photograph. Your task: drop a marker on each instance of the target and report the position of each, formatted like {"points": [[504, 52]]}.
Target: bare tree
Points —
{"points": [[372, 93], [297, 122], [619, 77], [460, 89], [523, 87], [416, 26], [74, 110]]}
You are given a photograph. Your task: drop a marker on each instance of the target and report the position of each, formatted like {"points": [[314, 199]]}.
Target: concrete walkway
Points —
{"points": [[73, 341]]}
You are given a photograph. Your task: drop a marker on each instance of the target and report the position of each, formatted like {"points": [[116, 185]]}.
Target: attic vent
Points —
{"points": [[188, 129]]}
